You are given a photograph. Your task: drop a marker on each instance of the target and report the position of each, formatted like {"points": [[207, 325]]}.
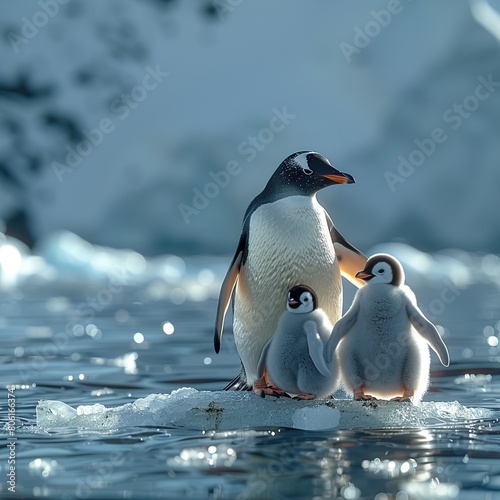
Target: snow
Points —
{"points": [[226, 410]]}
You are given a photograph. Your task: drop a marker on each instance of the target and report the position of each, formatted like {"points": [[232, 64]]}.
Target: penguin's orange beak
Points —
{"points": [[363, 275], [340, 178]]}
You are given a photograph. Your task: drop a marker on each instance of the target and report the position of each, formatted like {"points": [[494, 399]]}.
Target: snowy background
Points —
{"points": [[360, 82]]}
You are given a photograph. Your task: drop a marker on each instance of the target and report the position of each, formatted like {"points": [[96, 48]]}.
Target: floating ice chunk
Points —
{"points": [[105, 391], [226, 410], [474, 382], [473, 379], [55, 413], [90, 409], [316, 418]]}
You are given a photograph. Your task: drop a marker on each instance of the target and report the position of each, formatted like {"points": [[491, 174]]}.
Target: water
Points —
{"points": [[78, 337]]}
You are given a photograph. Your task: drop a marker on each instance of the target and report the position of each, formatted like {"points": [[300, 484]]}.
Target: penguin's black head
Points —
{"points": [[382, 268], [301, 299], [305, 173]]}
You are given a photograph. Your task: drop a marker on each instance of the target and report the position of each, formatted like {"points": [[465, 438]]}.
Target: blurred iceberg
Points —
{"points": [[225, 82], [62, 261]]}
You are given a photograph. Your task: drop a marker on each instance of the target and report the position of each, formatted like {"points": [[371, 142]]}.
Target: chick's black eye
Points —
{"points": [[381, 271], [307, 171]]}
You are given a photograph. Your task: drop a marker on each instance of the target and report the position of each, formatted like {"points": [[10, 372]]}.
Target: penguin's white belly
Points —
{"points": [[288, 245], [291, 369], [288, 360], [383, 355], [378, 360]]}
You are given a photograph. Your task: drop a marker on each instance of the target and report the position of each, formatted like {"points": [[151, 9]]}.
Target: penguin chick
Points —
{"points": [[287, 238], [294, 358], [382, 340]]}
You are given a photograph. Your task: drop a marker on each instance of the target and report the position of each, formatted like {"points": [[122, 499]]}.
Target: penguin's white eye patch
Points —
{"points": [[307, 171]]}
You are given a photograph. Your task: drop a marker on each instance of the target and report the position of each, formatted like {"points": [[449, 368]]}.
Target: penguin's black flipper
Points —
{"points": [[226, 291], [239, 383], [351, 260]]}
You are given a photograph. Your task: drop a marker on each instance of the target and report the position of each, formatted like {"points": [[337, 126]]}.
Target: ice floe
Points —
{"points": [[220, 410]]}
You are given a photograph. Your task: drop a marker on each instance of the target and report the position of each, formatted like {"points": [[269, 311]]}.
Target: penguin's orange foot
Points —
{"points": [[305, 396], [260, 384], [262, 388], [270, 391], [264, 392], [359, 395], [366, 397], [407, 395], [400, 398]]}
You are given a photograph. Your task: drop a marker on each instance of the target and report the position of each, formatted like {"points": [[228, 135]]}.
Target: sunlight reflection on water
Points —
{"points": [[76, 332]]}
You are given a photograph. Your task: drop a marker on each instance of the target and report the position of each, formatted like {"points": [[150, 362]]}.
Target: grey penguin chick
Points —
{"points": [[382, 340], [295, 356], [287, 238]]}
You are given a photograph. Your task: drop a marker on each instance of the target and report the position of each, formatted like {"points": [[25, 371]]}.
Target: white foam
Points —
{"points": [[221, 410]]}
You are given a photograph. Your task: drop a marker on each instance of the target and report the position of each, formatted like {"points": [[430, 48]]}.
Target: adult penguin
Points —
{"points": [[287, 238]]}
